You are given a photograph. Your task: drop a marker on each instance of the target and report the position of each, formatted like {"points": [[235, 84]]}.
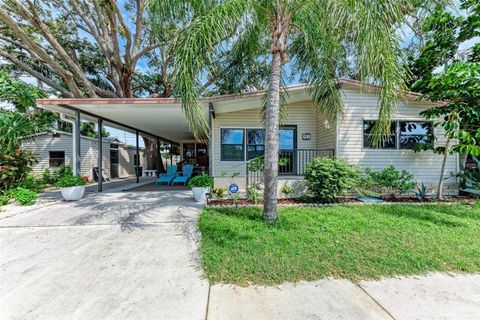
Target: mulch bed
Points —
{"points": [[342, 200]]}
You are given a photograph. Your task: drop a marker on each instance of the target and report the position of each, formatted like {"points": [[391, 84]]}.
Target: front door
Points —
{"points": [[288, 146]]}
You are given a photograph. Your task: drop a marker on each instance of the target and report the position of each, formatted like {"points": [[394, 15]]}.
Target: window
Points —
{"points": [[56, 158], [367, 136], [403, 134], [232, 148], [413, 132], [255, 143]]}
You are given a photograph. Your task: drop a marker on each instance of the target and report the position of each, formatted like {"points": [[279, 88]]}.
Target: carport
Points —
{"points": [[160, 119]]}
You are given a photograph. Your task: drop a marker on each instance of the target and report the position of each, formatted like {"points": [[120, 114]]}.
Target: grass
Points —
{"points": [[353, 242]]}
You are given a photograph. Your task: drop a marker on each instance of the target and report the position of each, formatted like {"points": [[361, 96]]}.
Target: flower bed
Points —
{"points": [[310, 201]]}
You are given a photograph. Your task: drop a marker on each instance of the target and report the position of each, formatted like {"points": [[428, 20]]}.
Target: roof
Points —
{"points": [[203, 100], [163, 117]]}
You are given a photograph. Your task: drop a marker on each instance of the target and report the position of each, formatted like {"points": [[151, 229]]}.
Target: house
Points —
{"points": [[236, 134], [55, 148]]}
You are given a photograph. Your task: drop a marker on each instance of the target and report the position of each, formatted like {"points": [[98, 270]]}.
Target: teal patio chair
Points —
{"points": [[187, 174], [168, 177]]}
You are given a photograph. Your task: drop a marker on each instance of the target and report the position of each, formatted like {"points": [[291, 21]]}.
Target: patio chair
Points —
{"points": [[168, 177], [187, 174]]}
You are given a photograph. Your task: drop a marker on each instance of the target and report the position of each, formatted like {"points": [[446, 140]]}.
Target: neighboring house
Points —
{"points": [[55, 148], [236, 134]]}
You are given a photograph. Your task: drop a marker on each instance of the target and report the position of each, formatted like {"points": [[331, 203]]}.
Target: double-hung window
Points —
{"points": [[403, 134], [255, 143], [232, 144]]}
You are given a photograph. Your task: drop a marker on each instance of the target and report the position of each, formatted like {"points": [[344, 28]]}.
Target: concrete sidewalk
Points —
{"points": [[436, 296], [133, 255]]}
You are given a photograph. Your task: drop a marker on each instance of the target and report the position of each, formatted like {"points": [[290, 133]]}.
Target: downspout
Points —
{"points": [[211, 117], [75, 135]]}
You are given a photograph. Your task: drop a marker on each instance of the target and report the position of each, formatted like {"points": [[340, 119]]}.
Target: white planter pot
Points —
{"points": [[200, 193], [72, 193]]}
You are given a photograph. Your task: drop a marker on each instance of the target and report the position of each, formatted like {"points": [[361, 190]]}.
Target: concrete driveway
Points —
{"points": [[109, 256]]}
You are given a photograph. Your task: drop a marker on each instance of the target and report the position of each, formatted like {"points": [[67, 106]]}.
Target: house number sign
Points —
{"points": [[306, 136]]}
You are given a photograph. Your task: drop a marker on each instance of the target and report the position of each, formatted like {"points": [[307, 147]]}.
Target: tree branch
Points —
{"points": [[36, 74]]}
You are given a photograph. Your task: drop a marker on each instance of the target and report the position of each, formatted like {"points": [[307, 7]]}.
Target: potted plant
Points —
{"points": [[72, 187], [201, 186]]}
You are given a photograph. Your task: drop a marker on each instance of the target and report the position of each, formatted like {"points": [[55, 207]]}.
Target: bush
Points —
{"points": [[4, 199], [254, 194], [70, 181], [63, 171], [203, 181], [15, 166], [287, 190], [24, 196], [392, 182], [31, 183], [219, 192], [48, 178], [328, 178]]}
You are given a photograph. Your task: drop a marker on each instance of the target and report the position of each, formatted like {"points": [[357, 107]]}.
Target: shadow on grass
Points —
{"points": [[438, 215]]}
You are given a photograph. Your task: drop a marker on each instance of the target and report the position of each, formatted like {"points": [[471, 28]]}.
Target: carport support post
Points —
{"points": [[100, 155], [159, 155], [77, 168], [138, 157]]}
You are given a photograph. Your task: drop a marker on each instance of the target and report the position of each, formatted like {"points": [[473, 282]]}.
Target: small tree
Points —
{"points": [[460, 86]]}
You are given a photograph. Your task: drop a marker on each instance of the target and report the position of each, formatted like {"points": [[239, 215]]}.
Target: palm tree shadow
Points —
{"points": [[424, 213]]}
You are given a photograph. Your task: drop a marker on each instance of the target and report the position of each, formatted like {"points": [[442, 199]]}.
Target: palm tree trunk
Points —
{"points": [[442, 172], [271, 139]]}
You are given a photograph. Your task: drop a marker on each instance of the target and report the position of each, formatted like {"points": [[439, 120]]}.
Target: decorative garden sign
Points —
{"points": [[233, 188]]}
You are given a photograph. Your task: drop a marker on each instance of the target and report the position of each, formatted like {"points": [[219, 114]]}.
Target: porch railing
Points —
{"points": [[292, 162]]}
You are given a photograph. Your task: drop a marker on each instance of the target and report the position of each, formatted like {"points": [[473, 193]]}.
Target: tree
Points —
{"points": [[80, 48], [439, 36], [459, 87], [314, 36]]}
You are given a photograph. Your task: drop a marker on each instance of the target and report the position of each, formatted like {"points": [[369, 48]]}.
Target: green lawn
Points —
{"points": [[354, 242]]}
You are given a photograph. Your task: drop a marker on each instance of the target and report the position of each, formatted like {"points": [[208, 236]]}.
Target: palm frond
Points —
{"points": [[318, 54], [195, 44]]}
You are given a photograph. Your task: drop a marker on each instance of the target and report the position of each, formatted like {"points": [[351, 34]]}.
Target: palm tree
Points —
{"points": [[317, 38]]}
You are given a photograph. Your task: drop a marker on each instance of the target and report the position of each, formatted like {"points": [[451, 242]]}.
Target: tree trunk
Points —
{"points": [[442, 172], [152, 158], [272, 140]]}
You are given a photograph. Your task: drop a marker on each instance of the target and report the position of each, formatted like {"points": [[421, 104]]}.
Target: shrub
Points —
{"points": [[70, 181], [31, 182], [254, 194], [219, 192], [24, 196], [203, 181], [4, 199], [14, 166], [287, 190], [392, 182], [48, 178], [328, 178], [63, 171]]}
